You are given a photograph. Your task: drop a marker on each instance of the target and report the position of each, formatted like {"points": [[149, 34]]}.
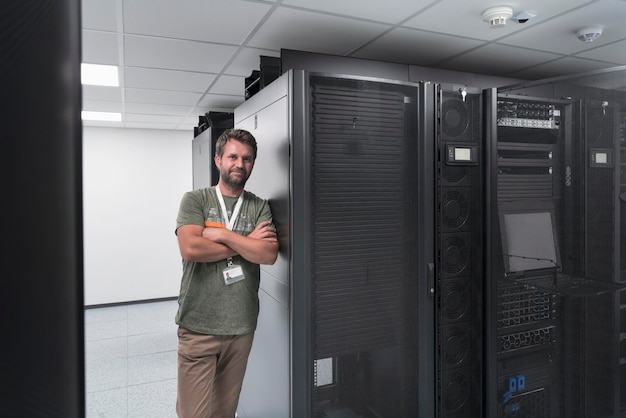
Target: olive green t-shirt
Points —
{"points": [[206, 304]]}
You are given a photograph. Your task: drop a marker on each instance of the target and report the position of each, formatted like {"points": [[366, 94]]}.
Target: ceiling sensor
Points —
{"points": [[589, 34], [497, 16], [523, 17]]}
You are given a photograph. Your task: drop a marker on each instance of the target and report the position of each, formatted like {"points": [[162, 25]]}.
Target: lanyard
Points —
{"points": [[230, 223]]}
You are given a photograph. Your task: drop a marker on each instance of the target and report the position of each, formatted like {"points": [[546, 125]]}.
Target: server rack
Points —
{"points": [[346, 323], [556, 352], [528, 344]]}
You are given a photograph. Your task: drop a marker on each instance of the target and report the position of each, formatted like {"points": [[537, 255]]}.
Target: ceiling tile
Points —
{"points": [[100, 15], [134, 117], [150, 78], [612, 53], [155, 125], [559, 67], [101, 93], [168, 97], [498, 59], [175, 54], [299, 30], [208, 21], [100, 48], [102, 106], [229, 84], [426, 49], [157, 109], [104, 124], [375, 10]]}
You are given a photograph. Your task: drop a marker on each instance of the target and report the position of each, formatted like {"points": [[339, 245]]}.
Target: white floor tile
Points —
{"points": [[130, 360]]}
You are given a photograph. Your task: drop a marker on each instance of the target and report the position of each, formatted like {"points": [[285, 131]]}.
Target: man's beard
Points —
{"points": [[234, 181]]}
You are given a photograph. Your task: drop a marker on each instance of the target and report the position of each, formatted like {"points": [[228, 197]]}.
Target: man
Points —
{"points": [[224, 234]]}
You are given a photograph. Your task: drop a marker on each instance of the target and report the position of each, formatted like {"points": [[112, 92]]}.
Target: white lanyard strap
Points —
{"points": [[230, 223]]}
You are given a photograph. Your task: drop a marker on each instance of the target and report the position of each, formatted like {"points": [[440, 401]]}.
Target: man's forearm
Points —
{"points": [[255, 250], [260, 246], [205, 251]]}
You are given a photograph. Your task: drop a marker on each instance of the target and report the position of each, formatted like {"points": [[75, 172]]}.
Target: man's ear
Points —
{"points": [[216, 160]]}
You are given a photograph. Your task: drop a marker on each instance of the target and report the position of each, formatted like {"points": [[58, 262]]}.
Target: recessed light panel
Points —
{"points": [[101, 116], [99, 75]]}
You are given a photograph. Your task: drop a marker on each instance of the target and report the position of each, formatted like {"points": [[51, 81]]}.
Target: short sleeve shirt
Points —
{"points": [[206, 304]]}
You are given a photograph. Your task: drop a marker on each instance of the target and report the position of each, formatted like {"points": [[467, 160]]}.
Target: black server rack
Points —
{"points": [[528, 343], [364, 278], [553, 321], [346, 323]]}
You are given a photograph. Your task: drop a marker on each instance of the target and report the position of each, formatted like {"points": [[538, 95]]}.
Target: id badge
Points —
{"points": [[233, 274]]}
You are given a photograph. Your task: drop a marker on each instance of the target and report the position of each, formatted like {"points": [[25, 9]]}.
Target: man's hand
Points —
{"points": [[265, 230], [213, 233]]}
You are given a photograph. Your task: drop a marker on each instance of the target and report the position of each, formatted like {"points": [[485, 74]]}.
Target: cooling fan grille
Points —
{"points": [[455, 118], [455, 209], [455, 254], [455, 300], [455, 344]]}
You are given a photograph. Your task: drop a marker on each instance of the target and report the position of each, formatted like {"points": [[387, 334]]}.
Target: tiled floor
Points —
{"points": [[130, 353]]}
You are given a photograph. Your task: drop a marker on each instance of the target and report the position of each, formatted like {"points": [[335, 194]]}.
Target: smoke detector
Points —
{"points": [[589, 34], [497, 16]]}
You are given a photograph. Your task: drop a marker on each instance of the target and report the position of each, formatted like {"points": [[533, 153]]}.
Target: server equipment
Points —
{"points": [[459, 273], [341, 162], [444, 251], [554, 285]]}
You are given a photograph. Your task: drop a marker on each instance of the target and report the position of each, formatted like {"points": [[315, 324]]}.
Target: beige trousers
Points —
{"points": [[210, 373]]}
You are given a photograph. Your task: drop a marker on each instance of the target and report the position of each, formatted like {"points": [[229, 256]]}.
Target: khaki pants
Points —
{"points": [[210, 373]]}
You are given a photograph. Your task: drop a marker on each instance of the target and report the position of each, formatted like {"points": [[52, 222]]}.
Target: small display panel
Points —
{"points": [[600, 158], [461, 154]]}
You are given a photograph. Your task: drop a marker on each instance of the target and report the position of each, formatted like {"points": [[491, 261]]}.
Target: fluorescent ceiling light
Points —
{"points": [[99, 75], [101, 116]]}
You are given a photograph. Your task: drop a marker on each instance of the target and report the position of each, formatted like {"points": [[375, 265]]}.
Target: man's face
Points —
{"points": [[236, 163]]}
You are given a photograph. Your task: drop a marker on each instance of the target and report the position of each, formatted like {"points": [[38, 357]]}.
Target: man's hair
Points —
{"points": [[240, 135]]}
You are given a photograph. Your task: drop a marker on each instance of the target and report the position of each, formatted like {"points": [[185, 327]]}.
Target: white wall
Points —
{"points": [[133, 180]]}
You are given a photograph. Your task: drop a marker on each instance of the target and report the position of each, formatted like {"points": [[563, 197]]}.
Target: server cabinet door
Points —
{"points": [[360, 164]]}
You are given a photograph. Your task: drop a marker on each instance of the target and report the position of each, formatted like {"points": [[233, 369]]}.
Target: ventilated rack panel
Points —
{"points": [[519, 306], [535, 338]]}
